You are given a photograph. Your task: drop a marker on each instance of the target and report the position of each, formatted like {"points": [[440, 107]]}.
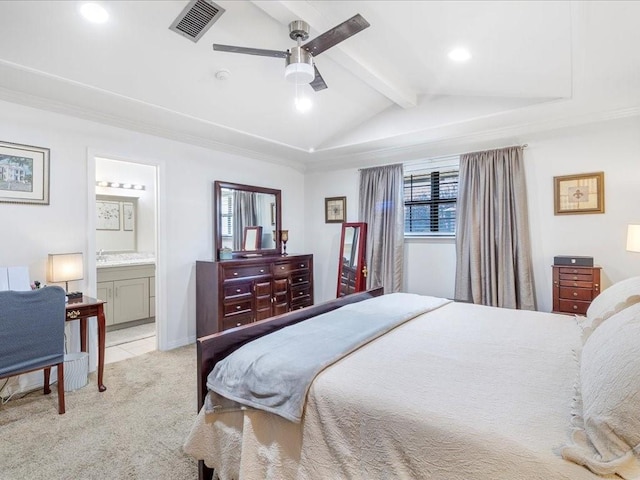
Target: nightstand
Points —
{"points": [[574, 288]]}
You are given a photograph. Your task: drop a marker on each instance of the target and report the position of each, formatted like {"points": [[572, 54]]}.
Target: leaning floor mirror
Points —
{"points": [[352, 268]]}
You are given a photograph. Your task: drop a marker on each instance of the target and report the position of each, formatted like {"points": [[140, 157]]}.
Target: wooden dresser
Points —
{"points": [[574, 288], [230, 293]]}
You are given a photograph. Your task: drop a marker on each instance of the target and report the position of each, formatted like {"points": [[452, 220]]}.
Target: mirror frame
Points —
{"points": [[360, 280], [217, 218]]}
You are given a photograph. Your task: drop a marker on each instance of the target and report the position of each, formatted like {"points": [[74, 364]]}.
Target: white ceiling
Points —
{"points": [[393, 93]]}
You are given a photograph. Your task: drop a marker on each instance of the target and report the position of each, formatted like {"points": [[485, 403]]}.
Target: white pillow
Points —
{"points": [[612, 300], [608, 441]]}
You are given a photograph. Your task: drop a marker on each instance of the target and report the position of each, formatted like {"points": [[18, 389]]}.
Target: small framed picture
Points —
{"points": [[582, 193], [335, 209]]}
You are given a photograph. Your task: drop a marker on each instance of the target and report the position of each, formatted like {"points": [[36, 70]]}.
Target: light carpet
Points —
{"points": [[133, 430]]}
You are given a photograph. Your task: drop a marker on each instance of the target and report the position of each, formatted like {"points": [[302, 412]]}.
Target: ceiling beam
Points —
{"points": [[392, 87]]}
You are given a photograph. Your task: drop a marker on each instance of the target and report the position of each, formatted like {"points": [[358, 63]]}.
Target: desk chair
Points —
{"points": [[32, 334]]}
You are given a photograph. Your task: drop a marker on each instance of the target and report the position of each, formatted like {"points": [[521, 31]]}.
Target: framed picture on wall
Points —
{"points": [[128, 216], [335, 209], [581, 193], [24, 174], [108, 215]]}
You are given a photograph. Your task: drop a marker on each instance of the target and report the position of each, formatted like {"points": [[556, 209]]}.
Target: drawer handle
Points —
{"points": [[575, 278], [262, 270], [575, 271], [238, 290], [302, 265], [238, 307], [575, 294], [301, 293], [73, 314], [281, 268], [575, 307], [575, 284], [238, 324], [300, 279], [235, 274]]}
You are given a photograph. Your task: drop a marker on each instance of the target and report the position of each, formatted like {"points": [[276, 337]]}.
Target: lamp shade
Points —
{"points": [[633, 238], [64, 267]]}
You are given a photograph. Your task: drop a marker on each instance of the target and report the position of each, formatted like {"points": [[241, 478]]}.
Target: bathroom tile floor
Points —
{"points": [[130, 342]]}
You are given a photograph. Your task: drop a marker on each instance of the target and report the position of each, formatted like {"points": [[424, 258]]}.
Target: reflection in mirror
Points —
{"points": [[116, 223], [252, 238], [245, 210], [352, 271]]}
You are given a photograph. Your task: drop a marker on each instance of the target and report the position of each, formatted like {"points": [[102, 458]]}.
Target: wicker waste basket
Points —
{"points": [[76, 370]]}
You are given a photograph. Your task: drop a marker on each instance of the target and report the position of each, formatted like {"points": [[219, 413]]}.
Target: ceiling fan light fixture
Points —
{"points": [[299, 66]]}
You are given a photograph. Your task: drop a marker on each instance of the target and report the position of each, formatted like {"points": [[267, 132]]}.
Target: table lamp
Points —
{"points": [[66, 267], [284, 236], [633, 238]]}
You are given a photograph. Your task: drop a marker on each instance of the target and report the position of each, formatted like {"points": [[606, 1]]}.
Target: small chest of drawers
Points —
{"points": [[574, 288]]}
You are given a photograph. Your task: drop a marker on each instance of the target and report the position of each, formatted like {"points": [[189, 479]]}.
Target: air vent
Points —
{"points": [[196, 18]]}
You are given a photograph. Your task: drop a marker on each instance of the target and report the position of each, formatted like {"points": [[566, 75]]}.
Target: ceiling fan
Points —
{"points": [[300, 67]]}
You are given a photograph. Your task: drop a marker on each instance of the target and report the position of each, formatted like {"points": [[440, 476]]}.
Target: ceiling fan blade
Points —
{"points": [[318, 82], [336, 35], [250, 51]]}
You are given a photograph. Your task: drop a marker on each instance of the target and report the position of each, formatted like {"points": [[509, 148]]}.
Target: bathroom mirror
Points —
{"points": [[247, 219], [352, 268], [116, 223]]}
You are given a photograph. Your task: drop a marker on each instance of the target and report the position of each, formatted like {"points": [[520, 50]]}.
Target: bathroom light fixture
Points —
{"points": [[126, 186], [94, 13]]}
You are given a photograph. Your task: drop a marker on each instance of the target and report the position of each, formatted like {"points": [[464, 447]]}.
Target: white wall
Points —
{"points": [[612, 147], [185, 228]]}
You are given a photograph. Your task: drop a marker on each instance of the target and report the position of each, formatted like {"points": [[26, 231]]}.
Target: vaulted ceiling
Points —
{"points": [[393, 92]]}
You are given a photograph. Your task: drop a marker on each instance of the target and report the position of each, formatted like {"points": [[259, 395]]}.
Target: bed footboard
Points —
{"points": [[213, 348]]}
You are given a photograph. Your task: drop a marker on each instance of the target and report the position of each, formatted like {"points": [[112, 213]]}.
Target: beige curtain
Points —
{"points": [[493, 248], [382, 208]]}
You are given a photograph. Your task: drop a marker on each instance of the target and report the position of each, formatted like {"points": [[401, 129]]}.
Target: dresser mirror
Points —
{"points": [[247, 219], [352, 268]]}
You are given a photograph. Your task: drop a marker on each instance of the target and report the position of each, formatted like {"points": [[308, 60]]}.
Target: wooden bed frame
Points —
{"points": [[213, 348]]}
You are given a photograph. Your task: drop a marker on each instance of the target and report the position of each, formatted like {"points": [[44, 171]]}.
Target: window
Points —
{"points": [[430, 196], [226, 214]]}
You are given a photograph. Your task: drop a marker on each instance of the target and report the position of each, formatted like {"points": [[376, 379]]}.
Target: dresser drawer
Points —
{"points": [[235, 321], [235, 308], [299, 278], [300, 293], [576, 277], [288, 267], [243, 272], [297, 305], [574, 306], [576, 293], [237, 289], [576, 270], [575, 283]]}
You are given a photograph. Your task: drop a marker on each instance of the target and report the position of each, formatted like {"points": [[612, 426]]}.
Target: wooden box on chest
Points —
{"points": [[230, 293], [574, 288]]}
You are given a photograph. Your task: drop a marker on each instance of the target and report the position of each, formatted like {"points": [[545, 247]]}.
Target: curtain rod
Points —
{"points": [[410, 162], [523, 146]]}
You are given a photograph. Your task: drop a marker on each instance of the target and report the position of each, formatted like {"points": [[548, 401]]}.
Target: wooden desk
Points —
{"points": [[81, 310]]}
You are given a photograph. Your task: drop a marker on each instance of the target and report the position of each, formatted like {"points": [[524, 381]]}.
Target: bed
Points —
{"points": [[459, 391]]}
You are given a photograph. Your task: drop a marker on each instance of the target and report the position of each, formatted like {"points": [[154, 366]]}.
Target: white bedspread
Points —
{"points": [[463, 392]]}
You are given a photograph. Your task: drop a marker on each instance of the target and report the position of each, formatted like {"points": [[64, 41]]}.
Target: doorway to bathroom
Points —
{"points": [[126, 247]]}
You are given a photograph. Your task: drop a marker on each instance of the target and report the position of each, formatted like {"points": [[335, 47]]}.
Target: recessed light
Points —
{"points": [[459, 55], [94, 13]]}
